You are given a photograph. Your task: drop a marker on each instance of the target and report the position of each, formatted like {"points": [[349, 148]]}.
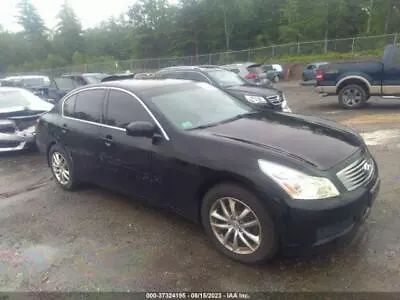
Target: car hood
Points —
{"points": [[253, 90], [320, 145], [25, 111]]}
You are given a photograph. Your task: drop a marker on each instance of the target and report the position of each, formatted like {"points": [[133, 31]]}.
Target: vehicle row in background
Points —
{"points": [[356, 82], [256, 95], [52, 89], [310, 70], [250, 71]]}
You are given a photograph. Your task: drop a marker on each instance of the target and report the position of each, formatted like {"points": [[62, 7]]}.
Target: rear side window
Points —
{"points": [[88, 105], [123, 109], [171, 75], [69, 106], [195, 77]]}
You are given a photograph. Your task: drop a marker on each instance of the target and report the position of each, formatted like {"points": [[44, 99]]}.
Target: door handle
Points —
{"points": [[64, 128], [108, 140]]}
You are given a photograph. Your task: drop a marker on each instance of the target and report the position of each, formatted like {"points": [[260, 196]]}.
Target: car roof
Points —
{"points": [[203, 68], [136, 85], [25, 77], [74, 74], [319, 63], [245, 64]]}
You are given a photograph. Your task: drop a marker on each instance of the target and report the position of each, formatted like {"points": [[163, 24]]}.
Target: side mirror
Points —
{"points": [[143, 129]]}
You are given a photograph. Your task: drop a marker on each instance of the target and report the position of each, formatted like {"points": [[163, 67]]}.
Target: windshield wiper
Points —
{"points": [[237, 117]]}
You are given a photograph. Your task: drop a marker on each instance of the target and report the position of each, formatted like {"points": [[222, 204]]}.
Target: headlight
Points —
{"points": [[284, 104], [297, 184], [255, 99]]}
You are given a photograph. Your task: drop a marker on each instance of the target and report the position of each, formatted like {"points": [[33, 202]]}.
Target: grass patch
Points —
{"points": [[329, 56]]}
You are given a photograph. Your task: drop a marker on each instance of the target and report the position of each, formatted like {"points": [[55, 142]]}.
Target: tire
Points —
{"points": [[352, 96], [275, 79], [262, 226], [305, 79], [65, 164]]}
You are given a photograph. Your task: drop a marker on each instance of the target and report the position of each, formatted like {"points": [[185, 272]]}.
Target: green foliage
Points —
{"points": [[329, 56], [68, 38], [156, 28], [78, 58]]}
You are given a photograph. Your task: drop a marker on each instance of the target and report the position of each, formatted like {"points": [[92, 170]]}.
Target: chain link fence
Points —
{"points": [[357, 45]]}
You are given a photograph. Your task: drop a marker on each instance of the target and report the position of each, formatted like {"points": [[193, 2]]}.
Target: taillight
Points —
{"points": [[251, 76], [320, 75]]}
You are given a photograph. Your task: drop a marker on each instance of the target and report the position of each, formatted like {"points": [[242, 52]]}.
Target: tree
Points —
{"points": [[68, 38], [30, 20], [156, 28], [154, 23], [34, 30], [78, 59]]}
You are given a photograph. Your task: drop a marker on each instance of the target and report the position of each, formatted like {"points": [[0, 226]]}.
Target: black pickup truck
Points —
{"points": [[355, 83]]}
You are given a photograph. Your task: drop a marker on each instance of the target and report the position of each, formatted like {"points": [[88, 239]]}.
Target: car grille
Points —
{"points": [[9, 144], [275, 100], [357, 174], [25, 123], [9, 128]]}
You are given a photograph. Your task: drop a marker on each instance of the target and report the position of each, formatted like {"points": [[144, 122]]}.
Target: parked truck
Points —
{"points": [[356, 82]]}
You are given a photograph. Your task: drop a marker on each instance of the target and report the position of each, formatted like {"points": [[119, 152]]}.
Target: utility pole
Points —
{"points": [[371, 7]]}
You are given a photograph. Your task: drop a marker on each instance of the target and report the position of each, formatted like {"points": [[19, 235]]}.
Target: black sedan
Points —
{"points": [[255, 95], [257, 181], [19, 112]]}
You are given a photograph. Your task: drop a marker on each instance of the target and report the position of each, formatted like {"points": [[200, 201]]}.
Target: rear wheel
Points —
{"points": [[353, 96], [238, 224], [62, 167], [305, 78], [276, 79]]}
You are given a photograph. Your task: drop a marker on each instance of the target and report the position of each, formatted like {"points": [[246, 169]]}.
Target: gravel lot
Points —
{"points": [[94, 240]]}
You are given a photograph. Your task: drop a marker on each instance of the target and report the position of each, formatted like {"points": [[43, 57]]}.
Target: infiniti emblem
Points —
{"points": [[367, 167]]}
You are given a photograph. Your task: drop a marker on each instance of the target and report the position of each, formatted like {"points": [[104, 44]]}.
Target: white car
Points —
{"points": [[30, 80]]}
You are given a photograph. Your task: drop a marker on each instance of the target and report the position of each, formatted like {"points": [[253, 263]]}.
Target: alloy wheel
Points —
{"points": [[352, 96], [235, 225], [60, 168]]}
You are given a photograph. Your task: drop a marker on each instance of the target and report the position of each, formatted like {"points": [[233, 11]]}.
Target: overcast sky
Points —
{"points": [[90, 12]]}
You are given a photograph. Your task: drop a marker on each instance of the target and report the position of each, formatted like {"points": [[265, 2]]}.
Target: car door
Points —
{"points": [[391, 75], [132, 165], [80, 130]]}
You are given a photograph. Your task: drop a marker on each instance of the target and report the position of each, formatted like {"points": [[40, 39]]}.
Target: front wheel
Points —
{"points": [[238, 224], [353, 96]]}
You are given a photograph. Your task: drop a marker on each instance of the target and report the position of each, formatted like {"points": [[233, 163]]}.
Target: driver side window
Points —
{"points": [[123, 109]]}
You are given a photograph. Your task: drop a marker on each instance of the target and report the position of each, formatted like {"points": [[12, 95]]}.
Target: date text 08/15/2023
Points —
{"points": [[195, 295]]}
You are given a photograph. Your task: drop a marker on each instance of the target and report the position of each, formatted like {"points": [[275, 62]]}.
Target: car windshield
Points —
{"points": [[195, 105], [16, 98], [255, 69], [95, 78], [226, 78], [33, 82], [65, 83]]}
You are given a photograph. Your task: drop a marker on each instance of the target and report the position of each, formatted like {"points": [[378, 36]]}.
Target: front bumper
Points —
{"points": [[320, 223], [16, 141]]}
